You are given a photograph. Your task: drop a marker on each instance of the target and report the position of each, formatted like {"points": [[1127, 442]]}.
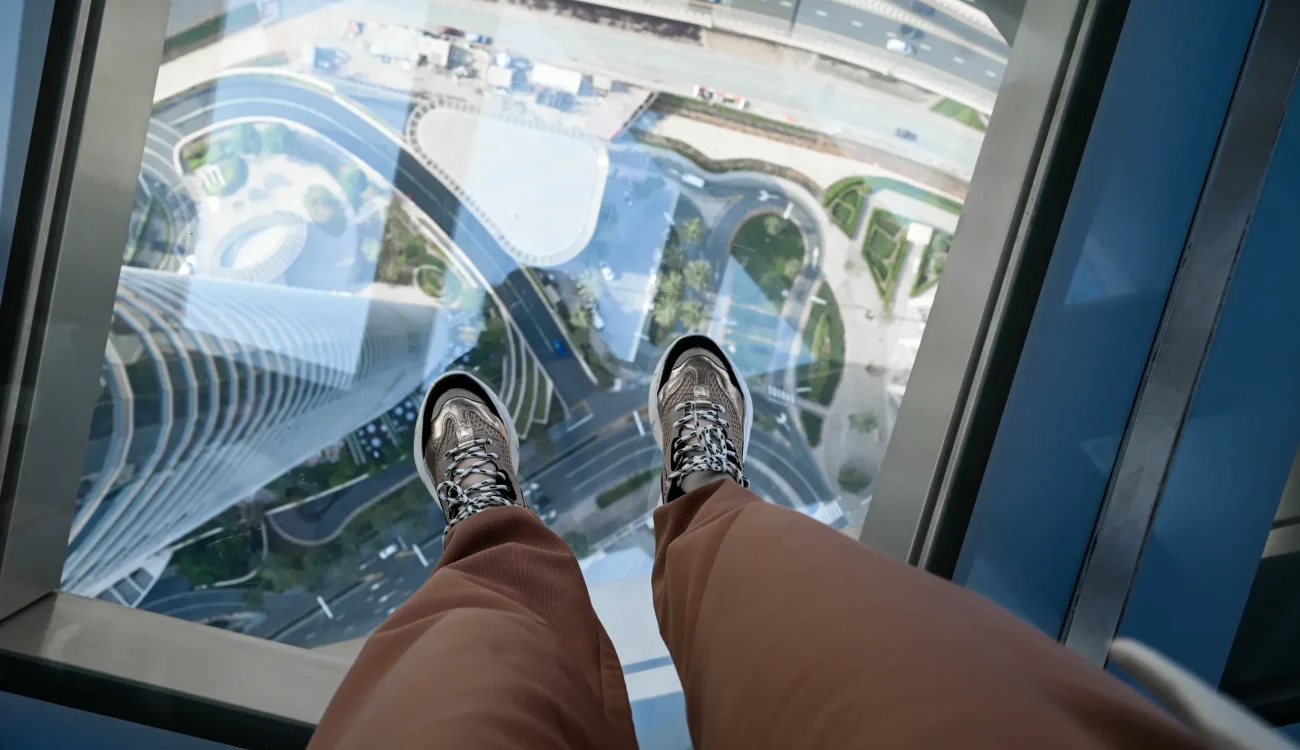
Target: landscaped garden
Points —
{"points": [[771, 250], [883, 249], [932, 259], [844, 201], [824, 338]]}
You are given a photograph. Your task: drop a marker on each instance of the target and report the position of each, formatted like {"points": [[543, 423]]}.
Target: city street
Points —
{"points": [[805, 93]]}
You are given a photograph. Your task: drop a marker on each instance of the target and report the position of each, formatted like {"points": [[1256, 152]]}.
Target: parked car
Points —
{"points": [[900, 47], [905, 134], [910, 32], [921, 9], [450, 31], [481, 39], [558, 346]]}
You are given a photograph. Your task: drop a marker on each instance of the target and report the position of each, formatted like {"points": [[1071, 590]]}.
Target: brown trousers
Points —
{"points": [[785, 633]]}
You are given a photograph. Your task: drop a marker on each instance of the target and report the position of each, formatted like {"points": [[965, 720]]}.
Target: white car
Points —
{"points": [[901, 47], [597, 322], [606, 272]]}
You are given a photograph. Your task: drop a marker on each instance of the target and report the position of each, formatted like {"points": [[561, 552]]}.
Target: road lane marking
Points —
{"points": [[639, 427], [821, 12], [925, 47], [959, 60], [597, 458], [786, 4], [858, 24], [990, 74]]}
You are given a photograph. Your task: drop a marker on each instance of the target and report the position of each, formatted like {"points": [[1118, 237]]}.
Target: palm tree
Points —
{"points": [[590, 284], [580, 318], [692, 314], [773, 224], [674, 256], [692, 231], [698, 275], [665, 314], [672, 286]]}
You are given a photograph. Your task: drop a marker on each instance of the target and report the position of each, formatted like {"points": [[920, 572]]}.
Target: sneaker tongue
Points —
{"points": [[473, 478]]}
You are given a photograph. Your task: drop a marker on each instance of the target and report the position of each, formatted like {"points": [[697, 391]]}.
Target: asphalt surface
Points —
{"points": [[817, 100], [319, 521], [267, 97], [855, 25], [957, 26], [859, 26]]}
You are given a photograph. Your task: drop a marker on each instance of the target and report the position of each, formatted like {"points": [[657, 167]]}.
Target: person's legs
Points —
{"points": [[501, 647], [787, 633]]}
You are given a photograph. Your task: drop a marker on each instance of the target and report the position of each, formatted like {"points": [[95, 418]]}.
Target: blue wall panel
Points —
{"points": [[1147, 156], [1237, 446], [24, 32]]}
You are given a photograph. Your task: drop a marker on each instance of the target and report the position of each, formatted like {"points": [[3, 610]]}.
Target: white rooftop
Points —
{"points": [[539, 189]]}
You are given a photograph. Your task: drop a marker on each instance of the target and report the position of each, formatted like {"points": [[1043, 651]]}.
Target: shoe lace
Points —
{"points": [[703, 442], [462, 501]]}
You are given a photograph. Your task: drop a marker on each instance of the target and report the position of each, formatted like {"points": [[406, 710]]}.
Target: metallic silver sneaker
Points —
{"points": [[466, 448], [700, 412]]}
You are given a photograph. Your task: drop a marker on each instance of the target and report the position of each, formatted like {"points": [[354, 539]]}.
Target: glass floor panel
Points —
{"points": [[340, 200]]}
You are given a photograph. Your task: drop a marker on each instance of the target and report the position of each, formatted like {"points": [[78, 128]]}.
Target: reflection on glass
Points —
{"points": [[339, 200], [1263, 668]]}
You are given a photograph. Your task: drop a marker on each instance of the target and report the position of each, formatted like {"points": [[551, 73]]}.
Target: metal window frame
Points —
{"points": [[100, 68], [55, 312], [959, 383], [1187, 329]]}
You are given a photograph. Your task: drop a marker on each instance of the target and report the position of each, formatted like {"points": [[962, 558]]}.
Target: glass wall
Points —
{"points": [[337, 201]]}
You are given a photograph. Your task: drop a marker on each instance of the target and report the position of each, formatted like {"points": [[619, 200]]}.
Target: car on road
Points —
{"points": [[558, 346], [543, 507], [910, 32], [905, 134], [900, 47], [450, 31], [921, 9], [481, 39], [693, 180], [606, 272], [597, 322]]}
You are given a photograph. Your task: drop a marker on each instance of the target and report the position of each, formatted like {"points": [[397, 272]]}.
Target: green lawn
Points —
{"points": [[824, 337], [771, 250], [844, 201], [625, 488], [932, 260], [960, 112], [883, 250]]}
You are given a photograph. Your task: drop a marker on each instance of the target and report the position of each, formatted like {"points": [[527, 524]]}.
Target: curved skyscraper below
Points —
{"points": [[212, 388]]}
